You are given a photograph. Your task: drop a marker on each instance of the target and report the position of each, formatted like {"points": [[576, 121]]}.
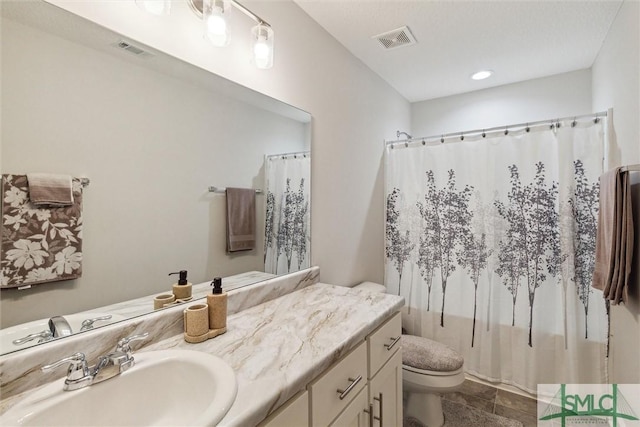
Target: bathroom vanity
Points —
{"points": [[373, 372], [292, 343]]}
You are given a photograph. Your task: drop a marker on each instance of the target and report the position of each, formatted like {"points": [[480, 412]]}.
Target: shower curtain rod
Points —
{"points": [[296, 153], [506, 128]]}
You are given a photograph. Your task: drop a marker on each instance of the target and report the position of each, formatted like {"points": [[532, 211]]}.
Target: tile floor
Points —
{"points": [[495, 401]]}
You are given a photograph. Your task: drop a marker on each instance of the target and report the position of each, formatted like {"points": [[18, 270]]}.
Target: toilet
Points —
{"points": [[429, 369]]}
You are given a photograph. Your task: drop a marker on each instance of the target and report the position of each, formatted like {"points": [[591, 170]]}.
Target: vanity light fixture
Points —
{"points": [[481, 75], [215, 17]]}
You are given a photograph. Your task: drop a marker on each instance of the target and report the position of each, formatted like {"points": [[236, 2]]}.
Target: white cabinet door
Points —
{"points": [[334, 389], [294, 413], [385, 393], [355, 414]]}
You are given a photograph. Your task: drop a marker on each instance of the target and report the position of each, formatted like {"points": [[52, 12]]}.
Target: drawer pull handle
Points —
{"points": [[354, 381], [379, 399], [393, 342]]}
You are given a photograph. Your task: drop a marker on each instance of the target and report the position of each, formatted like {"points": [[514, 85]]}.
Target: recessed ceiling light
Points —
{"points": [[481, 75]]}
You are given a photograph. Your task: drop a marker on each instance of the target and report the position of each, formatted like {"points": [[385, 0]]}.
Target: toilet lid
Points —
{"points": [[429, 355]]}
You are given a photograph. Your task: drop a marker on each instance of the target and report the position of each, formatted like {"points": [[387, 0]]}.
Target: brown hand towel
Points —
{"points": [[50, 189], [614, 241], [241, 219]]}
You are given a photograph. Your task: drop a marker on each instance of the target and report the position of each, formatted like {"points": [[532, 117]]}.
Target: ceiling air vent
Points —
{"points": [[397, 38], [134, 50]]}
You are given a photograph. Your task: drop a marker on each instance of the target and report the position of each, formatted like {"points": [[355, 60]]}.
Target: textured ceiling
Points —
{"points": [[519, 40]]}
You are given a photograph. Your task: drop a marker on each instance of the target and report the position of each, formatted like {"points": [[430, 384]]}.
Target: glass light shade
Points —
{"points": [[263, 46], [215, 14], [155, 7]]}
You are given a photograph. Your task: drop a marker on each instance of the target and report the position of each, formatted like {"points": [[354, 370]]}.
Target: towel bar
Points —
{"points": [[213, 189]]}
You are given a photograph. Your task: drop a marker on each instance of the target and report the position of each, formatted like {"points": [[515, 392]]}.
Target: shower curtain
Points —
{"points": [[491, 240], [287, 229]]}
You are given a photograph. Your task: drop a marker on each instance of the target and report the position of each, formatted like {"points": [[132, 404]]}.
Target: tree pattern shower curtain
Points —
{"points": [[491, 240], [287, 230]]}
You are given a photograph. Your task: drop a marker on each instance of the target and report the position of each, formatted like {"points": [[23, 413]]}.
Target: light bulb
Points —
{"points": [[261, 50], [155, 7], [216, 25]]}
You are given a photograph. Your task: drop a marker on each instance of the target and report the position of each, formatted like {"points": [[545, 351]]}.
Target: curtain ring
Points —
{"points": [[423, 143], [574, 123], [461, 136], [527, 129], [483, 133], [406, 145], [442, 139], [506, 131], [596, 120]]}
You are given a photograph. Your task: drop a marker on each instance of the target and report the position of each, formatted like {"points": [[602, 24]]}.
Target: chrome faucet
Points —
{"points": [[80, 374]]}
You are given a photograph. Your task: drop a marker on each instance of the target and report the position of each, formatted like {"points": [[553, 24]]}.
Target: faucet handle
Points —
{"points": [[88, 323], [43, 336], [78, 367], [123, 343]]}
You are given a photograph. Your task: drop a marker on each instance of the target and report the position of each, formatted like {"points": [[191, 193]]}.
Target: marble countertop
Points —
{"points": [[278, 347], [144, 305]]}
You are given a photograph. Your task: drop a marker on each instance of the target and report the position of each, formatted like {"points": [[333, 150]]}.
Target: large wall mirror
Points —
{"points": [[152, 134]]}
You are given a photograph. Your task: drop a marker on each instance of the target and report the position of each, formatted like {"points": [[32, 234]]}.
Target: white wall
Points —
{"points": [[151, 145], [616, 84], [561, 95]]}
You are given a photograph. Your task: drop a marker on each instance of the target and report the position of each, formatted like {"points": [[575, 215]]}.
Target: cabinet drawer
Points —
{"points": [[383, 343], [325, 397]]}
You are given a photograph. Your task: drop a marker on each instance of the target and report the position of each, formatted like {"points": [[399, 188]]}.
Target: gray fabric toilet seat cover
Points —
{"points": [[429, 355]]}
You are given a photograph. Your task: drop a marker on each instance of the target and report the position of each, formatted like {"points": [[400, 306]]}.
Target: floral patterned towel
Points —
{"points": [[38, 245]]}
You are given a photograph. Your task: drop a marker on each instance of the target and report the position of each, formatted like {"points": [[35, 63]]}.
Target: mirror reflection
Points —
{"points": [[153, 135]]}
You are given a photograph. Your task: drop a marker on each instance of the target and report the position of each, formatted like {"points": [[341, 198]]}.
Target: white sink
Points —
{"points": [[8, 335], [164, 388]]}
